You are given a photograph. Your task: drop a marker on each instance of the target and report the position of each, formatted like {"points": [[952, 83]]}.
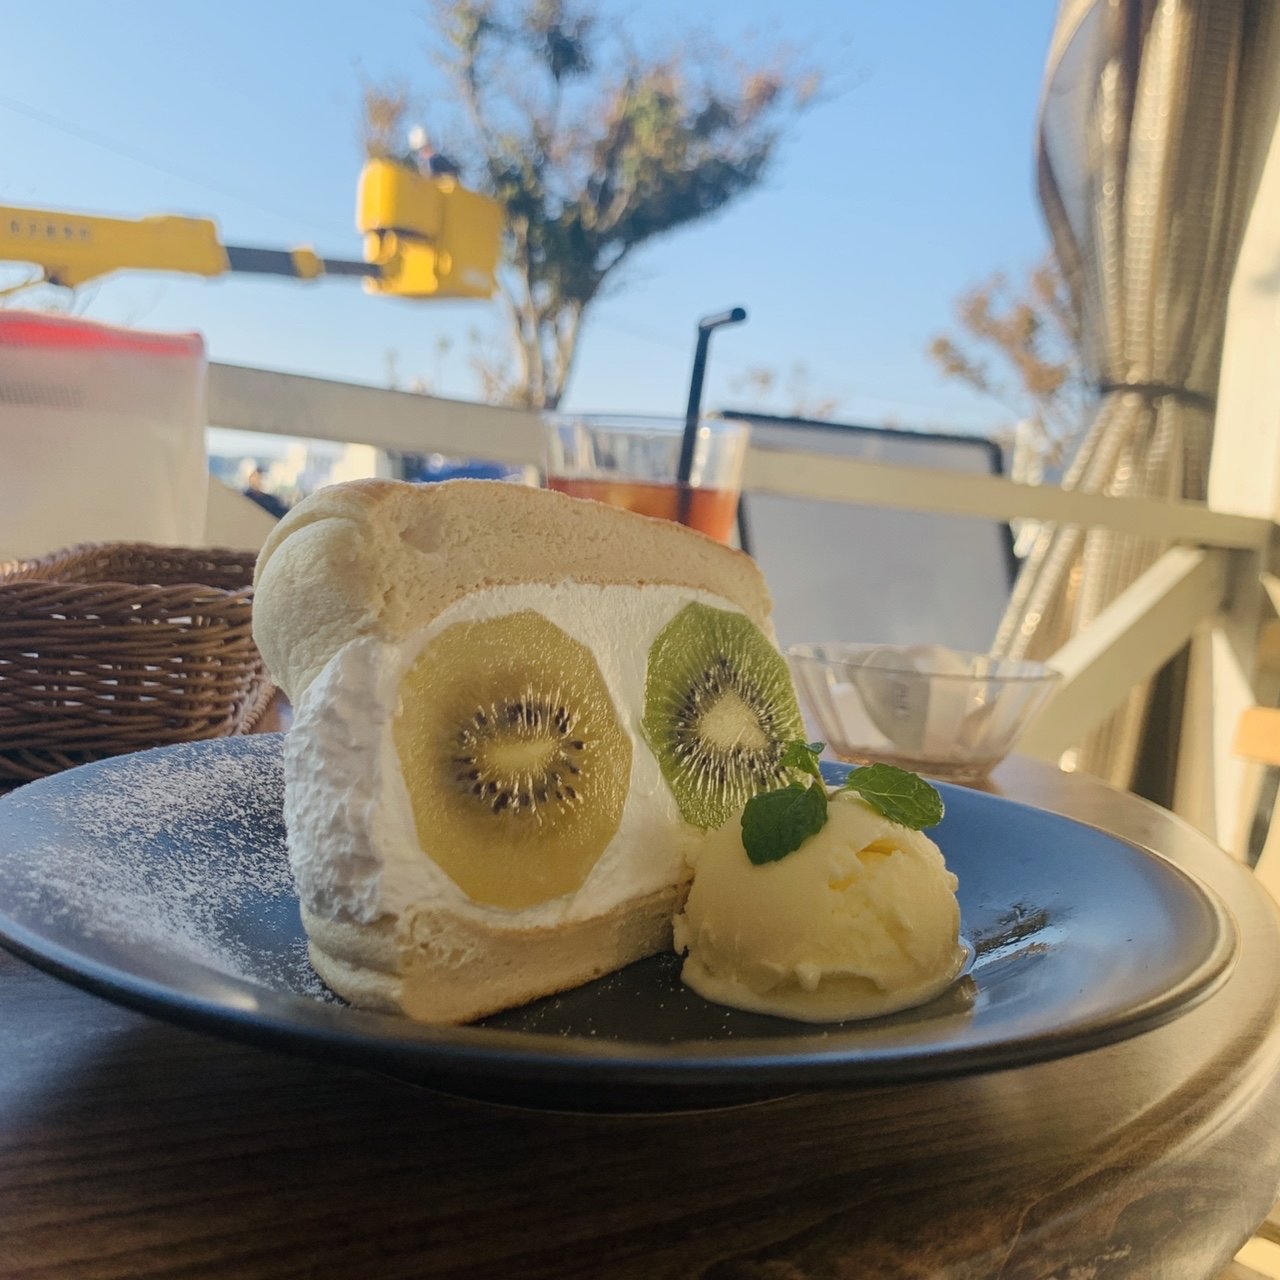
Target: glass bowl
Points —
{"points": [[927, 708]]}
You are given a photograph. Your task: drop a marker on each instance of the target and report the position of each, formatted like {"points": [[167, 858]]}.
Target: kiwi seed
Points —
{"points": [[515, 763]]}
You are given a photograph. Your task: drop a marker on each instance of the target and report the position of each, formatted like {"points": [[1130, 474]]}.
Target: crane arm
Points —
{"points": [[424, 237], [71, 249]]}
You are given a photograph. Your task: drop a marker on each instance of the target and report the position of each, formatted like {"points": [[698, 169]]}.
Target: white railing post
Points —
{"points": [[319, 409], [1128, 642], [1244, 477]]}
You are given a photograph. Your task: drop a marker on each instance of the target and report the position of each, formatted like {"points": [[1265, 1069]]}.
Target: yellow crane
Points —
{"points": [[425, 236]]}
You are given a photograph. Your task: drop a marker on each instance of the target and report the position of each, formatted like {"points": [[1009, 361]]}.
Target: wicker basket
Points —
{"points": [[113, 647]]}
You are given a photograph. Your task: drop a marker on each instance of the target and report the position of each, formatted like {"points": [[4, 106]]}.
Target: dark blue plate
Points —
{"points": [[160, 880]]}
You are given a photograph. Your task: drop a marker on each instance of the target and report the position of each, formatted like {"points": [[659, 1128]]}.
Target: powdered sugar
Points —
{"points": [[169, 855]]}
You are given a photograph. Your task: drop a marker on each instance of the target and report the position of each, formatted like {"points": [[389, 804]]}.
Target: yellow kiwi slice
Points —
{"points": [[515, 763]]}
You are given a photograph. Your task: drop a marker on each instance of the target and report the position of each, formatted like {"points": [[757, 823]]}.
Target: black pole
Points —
{"points": [[744, 526], [280, 262], [706, 326]]}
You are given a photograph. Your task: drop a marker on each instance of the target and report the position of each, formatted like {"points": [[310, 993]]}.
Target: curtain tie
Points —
{"points": [[1153, 389]]}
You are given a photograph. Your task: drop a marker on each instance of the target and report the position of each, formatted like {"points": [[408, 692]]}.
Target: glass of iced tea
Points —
{"points": [[634, 463]]}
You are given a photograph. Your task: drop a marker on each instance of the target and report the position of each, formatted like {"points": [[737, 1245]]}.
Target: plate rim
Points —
{"points": [[337, 1032]]}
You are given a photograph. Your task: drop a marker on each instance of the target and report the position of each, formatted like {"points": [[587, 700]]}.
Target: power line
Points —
{"points": [[137, 157], [127, 153], [842, 390]]}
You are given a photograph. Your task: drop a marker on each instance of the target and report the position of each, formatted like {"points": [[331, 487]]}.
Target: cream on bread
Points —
{"points": [[364, 592]]}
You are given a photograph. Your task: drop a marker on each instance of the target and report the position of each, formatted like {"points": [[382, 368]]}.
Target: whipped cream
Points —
{"points": [[353, 845]]}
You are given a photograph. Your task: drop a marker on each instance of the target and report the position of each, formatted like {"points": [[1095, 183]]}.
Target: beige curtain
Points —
{"points": [[1150, 148]]}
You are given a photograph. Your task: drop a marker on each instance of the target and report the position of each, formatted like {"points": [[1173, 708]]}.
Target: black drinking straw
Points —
{"points": [[706, 326]]}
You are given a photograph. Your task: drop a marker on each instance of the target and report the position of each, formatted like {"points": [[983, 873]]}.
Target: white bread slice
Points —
{"points": [[382, 559]]}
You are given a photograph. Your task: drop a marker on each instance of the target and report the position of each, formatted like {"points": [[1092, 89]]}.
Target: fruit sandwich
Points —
{"points": [[513, 712]]}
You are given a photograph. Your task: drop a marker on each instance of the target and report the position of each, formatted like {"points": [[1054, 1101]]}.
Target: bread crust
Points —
{"points": [[383, 558], [445, 969]]}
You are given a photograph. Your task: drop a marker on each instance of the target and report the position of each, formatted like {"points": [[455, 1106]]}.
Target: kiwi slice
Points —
{"points": [[719, 709], [515, 763]]}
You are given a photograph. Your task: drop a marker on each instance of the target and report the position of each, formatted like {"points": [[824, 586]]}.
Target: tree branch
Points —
{"points": [[594, 150], [567, 327]]}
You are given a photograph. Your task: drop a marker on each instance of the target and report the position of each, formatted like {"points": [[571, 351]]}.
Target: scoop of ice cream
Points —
{"points": [[861, 920]]}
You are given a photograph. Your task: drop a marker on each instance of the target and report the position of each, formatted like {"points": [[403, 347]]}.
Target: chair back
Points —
{"points": [[842, 571]]}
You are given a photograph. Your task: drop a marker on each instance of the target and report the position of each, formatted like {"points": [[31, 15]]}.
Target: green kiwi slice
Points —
{"points": [[515, 763], [719, 710]]}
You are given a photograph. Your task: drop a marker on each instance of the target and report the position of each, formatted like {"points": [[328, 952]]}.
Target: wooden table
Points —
{"points": [[132, 1148]]}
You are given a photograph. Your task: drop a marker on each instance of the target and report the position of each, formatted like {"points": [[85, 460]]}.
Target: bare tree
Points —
{"points": [[382, 124], [592, 148], [1019, 344]]}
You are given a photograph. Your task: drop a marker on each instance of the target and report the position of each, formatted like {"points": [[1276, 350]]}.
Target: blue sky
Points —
{"points": [[912, 182]]}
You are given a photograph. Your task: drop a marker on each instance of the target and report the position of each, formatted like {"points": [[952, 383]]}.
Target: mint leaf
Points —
{"points": [[803, 756], [904, 798], [776, 823]]}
